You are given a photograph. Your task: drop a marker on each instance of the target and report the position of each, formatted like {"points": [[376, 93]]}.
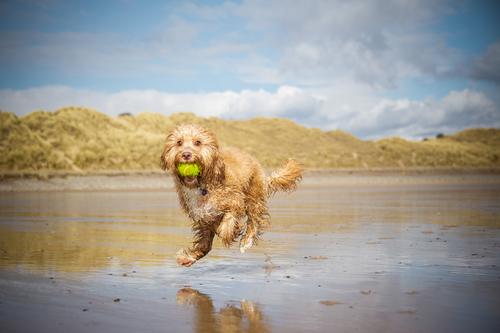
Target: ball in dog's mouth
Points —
{"points": [[189, 169]]}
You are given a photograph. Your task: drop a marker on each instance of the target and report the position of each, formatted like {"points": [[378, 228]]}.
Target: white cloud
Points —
{"points": [[415, 119], [373, 42], [48, 98], [285, 102]]}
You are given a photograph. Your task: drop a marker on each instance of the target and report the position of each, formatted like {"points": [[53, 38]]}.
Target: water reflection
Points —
{"points": [[243, 316], [76, 231], [72, 247], [85, 231]]}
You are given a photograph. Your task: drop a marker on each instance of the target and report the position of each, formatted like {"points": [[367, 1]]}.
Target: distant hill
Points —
{"points": [[80, 140]]}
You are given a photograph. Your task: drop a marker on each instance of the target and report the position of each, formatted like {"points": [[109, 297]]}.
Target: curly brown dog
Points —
{"points": [[229, 197]]}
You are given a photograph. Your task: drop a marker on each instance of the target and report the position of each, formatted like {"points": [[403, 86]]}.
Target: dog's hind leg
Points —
{"points": [[257, 220], [228, 229], [249, 238], [256, 211]]}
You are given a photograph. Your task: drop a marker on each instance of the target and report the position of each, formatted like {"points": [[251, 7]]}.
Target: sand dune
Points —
{"points": [[81, 140]]}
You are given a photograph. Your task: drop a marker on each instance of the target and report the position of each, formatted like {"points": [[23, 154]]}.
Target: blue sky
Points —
{"points": [[373, 68]]}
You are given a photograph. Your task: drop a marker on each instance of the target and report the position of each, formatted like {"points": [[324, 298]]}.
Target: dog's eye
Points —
{"points": [[197, 143], [179, 142]]}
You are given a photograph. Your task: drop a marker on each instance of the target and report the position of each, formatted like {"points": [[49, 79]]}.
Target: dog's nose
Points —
{"points": [[186, 155]]}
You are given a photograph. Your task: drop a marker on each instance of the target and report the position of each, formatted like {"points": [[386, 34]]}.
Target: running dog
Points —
{"points": [[229, 196]]}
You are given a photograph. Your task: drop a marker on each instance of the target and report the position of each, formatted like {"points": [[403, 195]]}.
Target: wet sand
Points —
{"points": [[150, 181], [372, 253]]}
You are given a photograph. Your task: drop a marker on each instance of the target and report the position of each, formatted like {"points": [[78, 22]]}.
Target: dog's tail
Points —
{"points": [[285, 178]]}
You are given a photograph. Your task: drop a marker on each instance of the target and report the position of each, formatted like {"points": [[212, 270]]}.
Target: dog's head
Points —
{"points": [[193, 144]]}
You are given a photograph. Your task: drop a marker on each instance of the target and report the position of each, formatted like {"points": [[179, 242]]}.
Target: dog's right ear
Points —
{"points": [[166, 149], [163, 162]]}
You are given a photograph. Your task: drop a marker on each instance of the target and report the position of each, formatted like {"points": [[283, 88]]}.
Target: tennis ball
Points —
{"points": [[189, 169]]}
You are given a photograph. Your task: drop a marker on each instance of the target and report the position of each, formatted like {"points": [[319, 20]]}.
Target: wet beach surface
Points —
{"points": [[377, 255]]}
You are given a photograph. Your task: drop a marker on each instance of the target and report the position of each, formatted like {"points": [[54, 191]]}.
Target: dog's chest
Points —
{"points": [[197, 203]]}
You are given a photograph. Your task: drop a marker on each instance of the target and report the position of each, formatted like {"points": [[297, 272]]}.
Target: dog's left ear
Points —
{"points": [[216, 172]]}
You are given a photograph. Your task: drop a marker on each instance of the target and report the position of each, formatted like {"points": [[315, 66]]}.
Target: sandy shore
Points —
{"points": [[162, 181], [345, 253]]}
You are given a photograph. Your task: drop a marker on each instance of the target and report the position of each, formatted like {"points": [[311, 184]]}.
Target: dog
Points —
{"points": [[245, 316], [229, 197]]}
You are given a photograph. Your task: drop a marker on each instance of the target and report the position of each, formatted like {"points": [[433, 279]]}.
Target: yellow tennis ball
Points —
{"points": [[189, 169]]}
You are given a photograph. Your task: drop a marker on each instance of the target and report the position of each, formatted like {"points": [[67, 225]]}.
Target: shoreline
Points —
{"points": [[46, 174], [161, 181]]}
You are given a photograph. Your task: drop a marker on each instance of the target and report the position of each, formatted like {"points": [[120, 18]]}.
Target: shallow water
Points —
{"points": [[384, 258]]}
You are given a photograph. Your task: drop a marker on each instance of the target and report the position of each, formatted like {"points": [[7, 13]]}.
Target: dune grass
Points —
{"points": [[84, 140]]}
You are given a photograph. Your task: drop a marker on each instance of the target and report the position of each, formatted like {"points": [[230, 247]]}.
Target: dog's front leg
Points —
{"points": [[202, 244]]}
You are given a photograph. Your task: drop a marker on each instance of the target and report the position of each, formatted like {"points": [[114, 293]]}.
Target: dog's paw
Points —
{"points": [[245, 244], [184, 258]]}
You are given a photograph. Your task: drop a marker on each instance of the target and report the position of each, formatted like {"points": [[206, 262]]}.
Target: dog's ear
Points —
{"points": [[215, 172], [164, 163]]}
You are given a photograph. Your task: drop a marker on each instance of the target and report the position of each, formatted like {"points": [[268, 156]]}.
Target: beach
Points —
{"points": [[348, 251]]}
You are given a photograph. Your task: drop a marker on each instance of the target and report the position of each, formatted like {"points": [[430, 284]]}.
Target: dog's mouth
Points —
{"points": [[190, 181]]}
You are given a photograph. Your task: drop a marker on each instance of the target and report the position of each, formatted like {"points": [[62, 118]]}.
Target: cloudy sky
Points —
{"points": [[373, 68]]}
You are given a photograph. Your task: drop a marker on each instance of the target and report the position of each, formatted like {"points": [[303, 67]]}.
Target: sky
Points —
{"points": [[372, 68]]}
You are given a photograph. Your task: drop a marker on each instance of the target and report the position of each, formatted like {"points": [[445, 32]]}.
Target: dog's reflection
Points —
{"points": [[243, 316]]}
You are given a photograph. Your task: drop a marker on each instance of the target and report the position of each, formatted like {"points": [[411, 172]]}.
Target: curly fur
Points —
{"points": [[229, 197]]}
